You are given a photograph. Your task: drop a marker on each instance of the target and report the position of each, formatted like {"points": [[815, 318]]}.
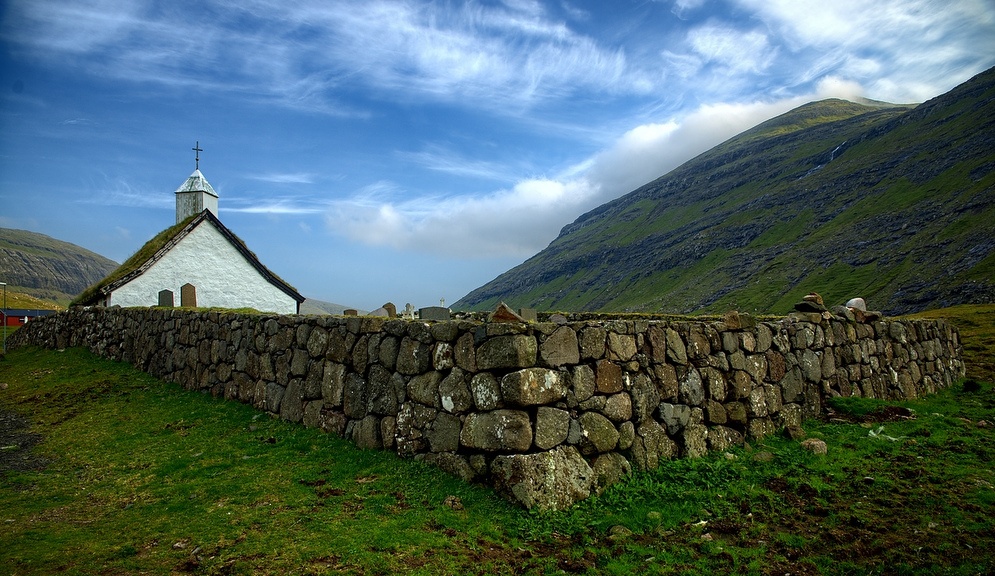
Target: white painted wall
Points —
{"points": [[223, 277]]}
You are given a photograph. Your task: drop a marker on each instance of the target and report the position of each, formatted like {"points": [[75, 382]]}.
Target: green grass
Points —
{"points": [[133, 475]]}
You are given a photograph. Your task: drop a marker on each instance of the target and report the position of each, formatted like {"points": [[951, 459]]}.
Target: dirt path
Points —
{"points": [[16, 443]]}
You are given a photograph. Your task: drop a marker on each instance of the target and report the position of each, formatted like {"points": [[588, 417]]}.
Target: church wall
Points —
{"points": [[548, 413], [222, 276]]}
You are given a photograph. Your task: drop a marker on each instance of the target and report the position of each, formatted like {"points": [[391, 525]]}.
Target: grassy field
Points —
{"points": [[105, 470]]}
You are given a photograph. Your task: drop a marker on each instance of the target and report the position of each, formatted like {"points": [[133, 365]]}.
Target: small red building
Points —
{"points": [[21, 316]]}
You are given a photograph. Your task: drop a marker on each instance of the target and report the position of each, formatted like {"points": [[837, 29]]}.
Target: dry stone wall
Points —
{"points": [[548, 413]]}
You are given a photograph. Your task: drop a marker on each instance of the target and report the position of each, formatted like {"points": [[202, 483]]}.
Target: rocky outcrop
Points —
{"points": [[546, 412]]}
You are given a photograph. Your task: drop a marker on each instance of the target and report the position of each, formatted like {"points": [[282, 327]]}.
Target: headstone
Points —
{"points": [[435, 313], [409, 311], [391, 309], [528, 314], [350, 312], [857, 303], [504, 314], [188, 296], [382, 312], [166, 298]]}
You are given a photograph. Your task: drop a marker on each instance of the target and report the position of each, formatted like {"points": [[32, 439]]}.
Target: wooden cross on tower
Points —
{"points": [[197, 149]]}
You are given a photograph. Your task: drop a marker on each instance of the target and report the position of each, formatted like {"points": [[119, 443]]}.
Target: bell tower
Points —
{"points": [[196, 194]]}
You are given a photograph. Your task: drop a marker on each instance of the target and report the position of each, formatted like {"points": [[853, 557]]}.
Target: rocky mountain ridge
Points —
{"points": [[892, 203], [47, 268]]}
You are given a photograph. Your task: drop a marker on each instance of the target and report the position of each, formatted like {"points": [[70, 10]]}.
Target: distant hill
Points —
{"points": [[47, 268], [317, 308], [891, 203]]}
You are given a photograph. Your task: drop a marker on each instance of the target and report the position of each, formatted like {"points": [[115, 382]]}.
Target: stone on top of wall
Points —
{"points": [[548, 412]]}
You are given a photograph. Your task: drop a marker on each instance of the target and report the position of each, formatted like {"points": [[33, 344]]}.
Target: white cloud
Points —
{"points": [[440, 159], [735, 50], [900, 50], [285, 178], [523, 219]]}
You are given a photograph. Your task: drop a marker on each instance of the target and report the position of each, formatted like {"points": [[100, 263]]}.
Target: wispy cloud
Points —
{"points": [[123, 192], [524, 218], [284, 178], [440, 159]]}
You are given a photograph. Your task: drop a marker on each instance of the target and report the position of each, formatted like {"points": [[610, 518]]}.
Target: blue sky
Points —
{"points": [[388, 150]]}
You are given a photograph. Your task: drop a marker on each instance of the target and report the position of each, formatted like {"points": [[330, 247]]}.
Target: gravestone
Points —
{"points": [[435, 313], [188, 296], [350, 312], [528, 314], [166, 298]]}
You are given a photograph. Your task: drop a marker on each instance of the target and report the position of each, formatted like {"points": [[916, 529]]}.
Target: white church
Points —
{"points": [[198, 262]]}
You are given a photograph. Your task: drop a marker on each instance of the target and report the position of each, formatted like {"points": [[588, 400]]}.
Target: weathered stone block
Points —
{"points": [[583, 382], [534, 386], [609, 469], [424, 389], [551, 428], [413, 356], [464, 353], [497, 431], [621, 347], [593, 343], [292, 406], [333, 384], [598, 434], [443, 357], [691, 390], [354, 396], [645, 397], [486, 391], [608, 377], [510, 351], [618, 407], [651, 446], [454, 394], [676, 351], [382, 398], [560, 348], [443, 433], [366, 433], [387, 352], [551, 480], [723, 438], [658, 343]]}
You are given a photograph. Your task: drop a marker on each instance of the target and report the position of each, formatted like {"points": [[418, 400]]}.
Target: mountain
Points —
{"points": [[319, 308], [891, 203], [48, 268]]}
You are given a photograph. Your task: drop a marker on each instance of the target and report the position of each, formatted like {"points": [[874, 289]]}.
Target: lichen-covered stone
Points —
{"points": [[621, 347], [551, 480], [560, 348], [486, 391], [497, 431], [598, 434], [509, 351], [534, 386], [618, 407], [609, 469], [454, 394], [608, 377], [552, 425], [651, 445]]}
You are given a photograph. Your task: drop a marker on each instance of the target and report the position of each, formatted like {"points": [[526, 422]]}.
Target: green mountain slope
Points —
{"points": [[48, 268], [891, 203]]}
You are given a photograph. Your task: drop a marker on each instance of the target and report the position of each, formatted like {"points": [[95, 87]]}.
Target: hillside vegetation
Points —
{"points": [[892, 204], [49, 269], [105, 470]]}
